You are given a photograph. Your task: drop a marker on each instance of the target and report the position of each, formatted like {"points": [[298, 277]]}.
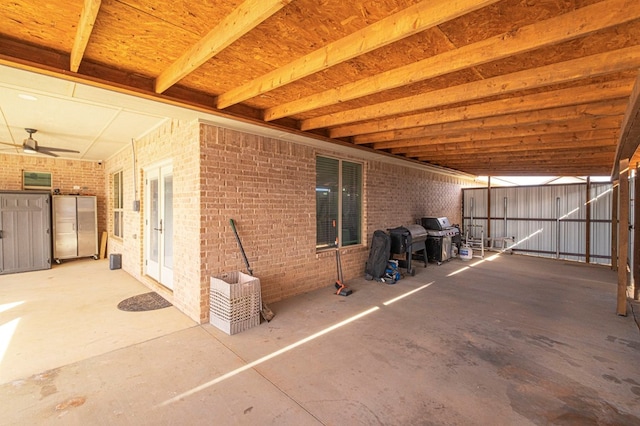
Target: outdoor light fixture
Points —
{"points": [[29, 145]]}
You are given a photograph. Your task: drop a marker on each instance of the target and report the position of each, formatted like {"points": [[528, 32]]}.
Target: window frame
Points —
{"points": [[117, 204], [341, 204]]}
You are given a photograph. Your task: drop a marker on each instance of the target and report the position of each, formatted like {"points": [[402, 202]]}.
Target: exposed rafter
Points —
{"points": [[564, 97], [630, 133], [532, 158], [400, 25], [608, 124], [85, 27], [243, 19], [553, 143], [552, 31], [501, 145], [562, 72], [530, 153], [580, 115]]}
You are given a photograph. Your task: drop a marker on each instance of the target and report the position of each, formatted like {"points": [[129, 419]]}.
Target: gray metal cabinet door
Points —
{"points": [[65, 227], [87, 227], [25, 243]]}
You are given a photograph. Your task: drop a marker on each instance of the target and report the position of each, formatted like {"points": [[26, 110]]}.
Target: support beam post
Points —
{"points": [[488, 209], [636, 234], [623, 237], [614, 226], [587, 231]]}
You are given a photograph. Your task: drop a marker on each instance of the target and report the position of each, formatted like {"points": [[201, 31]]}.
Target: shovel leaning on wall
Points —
{"points": [[266, 313]]}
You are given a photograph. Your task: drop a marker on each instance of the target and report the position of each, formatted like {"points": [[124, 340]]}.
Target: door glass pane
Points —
{"points": [[154, 220], [168, 222]]}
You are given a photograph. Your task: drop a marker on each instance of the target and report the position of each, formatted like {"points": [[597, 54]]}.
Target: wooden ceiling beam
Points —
{"points": [[570, 141], [550, 151], [532, 168], [608, 125], [558, 73], [83, 33], [534, 157], [239, 22], [547, 116], [539, 101], [482, 155], [556, 30], [508, 144], [496, 165], [630, 134], [576, 140], [538, 171], [403, 24]]}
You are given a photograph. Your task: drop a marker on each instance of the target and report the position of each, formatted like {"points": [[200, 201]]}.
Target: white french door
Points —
{"points": [[159, 224]]}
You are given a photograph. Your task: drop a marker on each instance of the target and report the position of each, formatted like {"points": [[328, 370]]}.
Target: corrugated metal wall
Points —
{"points": [[547, 221], [601, 199]]}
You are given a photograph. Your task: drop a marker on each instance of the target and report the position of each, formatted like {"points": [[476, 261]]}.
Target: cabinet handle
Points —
{"points": [[159, 229]]}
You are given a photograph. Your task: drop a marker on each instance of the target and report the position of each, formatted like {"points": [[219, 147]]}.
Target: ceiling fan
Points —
{"points": [[30, 146]]}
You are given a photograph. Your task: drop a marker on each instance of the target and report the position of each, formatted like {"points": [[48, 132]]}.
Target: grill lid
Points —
{"points": [[437, 223], [417, 232], [410, 233]]}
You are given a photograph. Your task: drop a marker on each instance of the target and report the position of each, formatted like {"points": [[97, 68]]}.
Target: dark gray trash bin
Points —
{"points": [[115, 261]]}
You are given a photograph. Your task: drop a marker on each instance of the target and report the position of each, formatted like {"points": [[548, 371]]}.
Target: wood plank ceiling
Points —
{"points": [[486, 87]]}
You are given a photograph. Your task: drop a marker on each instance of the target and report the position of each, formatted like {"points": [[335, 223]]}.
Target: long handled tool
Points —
{"points": [[266, 313], [342, 289]]}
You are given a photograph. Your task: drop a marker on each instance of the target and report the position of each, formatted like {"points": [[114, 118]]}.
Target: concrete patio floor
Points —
{"points": [[513, 340]]}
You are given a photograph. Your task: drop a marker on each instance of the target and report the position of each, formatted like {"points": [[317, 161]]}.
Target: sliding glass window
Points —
{"points": [[338, 203]]}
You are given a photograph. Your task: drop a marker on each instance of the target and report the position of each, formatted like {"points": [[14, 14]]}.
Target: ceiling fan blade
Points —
{"points": [[10, 144], [49, 148], [42, 150]]}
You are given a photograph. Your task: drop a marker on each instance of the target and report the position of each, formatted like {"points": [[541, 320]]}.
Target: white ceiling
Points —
{"points": [[69, 115]]}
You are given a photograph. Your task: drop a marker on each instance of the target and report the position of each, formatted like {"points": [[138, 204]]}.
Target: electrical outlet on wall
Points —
{"points": [[76, 187]]}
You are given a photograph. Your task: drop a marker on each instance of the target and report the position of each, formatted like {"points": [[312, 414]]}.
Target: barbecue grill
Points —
{"points": [[405, 240], [441, 237]]}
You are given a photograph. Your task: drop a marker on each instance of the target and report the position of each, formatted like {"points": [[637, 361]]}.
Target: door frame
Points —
{"points": [[157, 270]]}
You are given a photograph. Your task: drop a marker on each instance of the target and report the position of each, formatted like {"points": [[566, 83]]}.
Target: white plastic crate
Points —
{"points": [[234, 302]]}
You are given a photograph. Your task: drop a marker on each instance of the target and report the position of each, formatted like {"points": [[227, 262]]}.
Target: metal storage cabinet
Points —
{"points": [[25, 231], [75, 227]]}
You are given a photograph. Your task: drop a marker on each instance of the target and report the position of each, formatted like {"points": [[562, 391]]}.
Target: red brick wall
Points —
{"points": [[65, 174], [268, 187], [401, 195]]}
